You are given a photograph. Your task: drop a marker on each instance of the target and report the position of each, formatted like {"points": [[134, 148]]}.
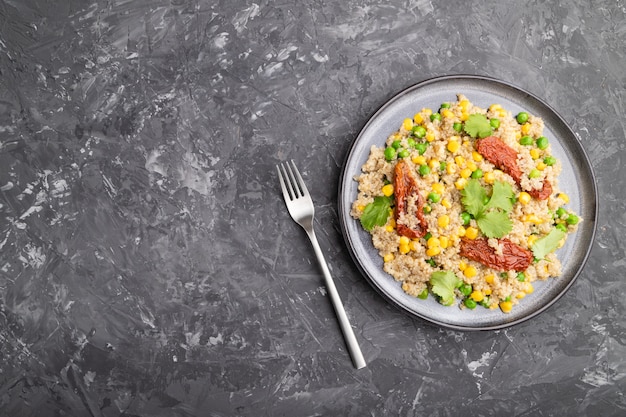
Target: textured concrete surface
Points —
{"points": [[148, 266]]}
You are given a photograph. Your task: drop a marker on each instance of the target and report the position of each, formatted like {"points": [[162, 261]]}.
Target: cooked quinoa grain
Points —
{"points": [[466, 205]]}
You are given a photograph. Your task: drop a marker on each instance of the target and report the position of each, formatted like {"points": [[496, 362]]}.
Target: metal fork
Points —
{"points": [[300, 206]]}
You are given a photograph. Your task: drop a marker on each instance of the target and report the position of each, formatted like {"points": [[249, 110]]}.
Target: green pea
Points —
{"points": [[443, 165], [423, 295], [521, 277], [419, 131], [522, 117], [485, 302], [435, 116], [466, 218], [469, 303], [427, 209], [424, 170], [526, 141], [495, 123], [411, 142], [549, 160], [465, 289], [542, 142], [561, 227], [421, 147], [560, 212], [457, 126], [477, 174], [434, 197], [535, 173], [390, 153], [444, 106], [572, 219], [403, 153], [428, 235]]}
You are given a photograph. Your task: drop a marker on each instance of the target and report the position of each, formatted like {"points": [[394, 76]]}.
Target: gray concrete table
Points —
{"points": [[148, 266]]}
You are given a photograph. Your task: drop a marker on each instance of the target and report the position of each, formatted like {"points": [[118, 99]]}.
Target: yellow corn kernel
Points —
{"points": [[467, 143], [427, 111], [464, 105], [462, 266], [487, 291], [528, 288], [460, 161], [414, 245], [433, 242], [495, 107], [460, 232], [476, 156], [460, 183], [470, 272], [360, 207], [430, 136], [447, 113], [443, 221], [453, 145], [387, 190], [451, 168], [464, 116], [489, 279], [523, 197], [532, 218], [532, 239], [418, 160], [563, 197], [502, 113], [535, 153], [404, 249], [407, 124], [472, 166], [417, 119], [433, 251], [477, 296], [446, 203], [520, 295], [433, 164], [438, 187], [444, 241], [525, 128], [489, 177], [471, 232], [518, 135], [388, 257], [390, 228], [466, 173], [541, 165], [404, 240], [506, 306]]}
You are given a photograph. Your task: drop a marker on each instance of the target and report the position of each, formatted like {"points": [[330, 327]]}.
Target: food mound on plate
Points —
{"points": [[463, 204]]}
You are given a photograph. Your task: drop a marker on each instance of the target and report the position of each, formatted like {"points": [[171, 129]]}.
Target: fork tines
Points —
{"points": [[292, 185]]}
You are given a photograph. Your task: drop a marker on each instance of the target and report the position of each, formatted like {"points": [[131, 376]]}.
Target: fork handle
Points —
{"points": [[344, 323]]}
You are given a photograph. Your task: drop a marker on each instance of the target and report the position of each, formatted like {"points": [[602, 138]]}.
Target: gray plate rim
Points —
{"points": [[577, 179]]}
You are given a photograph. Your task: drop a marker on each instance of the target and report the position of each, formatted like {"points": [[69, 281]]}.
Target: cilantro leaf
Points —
{"points": [[443, 284], [478, 125], [376, 213], [473, 197], [495, 223], [501, 196], [548, 243]]}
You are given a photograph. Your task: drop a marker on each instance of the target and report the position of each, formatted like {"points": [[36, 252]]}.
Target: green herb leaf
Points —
{"points": [[443, 284], [477, 125], [376, 213], [473, 197], [548, 243], [495, 224], [501, 196]]}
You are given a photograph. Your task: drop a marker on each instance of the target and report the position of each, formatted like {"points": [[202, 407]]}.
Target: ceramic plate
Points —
{"points": [[576, 179]]}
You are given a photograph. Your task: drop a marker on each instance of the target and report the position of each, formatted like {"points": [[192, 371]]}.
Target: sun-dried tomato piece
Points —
{"points": [[543, 193], [405, 186], [513, 257], [501, 155], [505, 158]]}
